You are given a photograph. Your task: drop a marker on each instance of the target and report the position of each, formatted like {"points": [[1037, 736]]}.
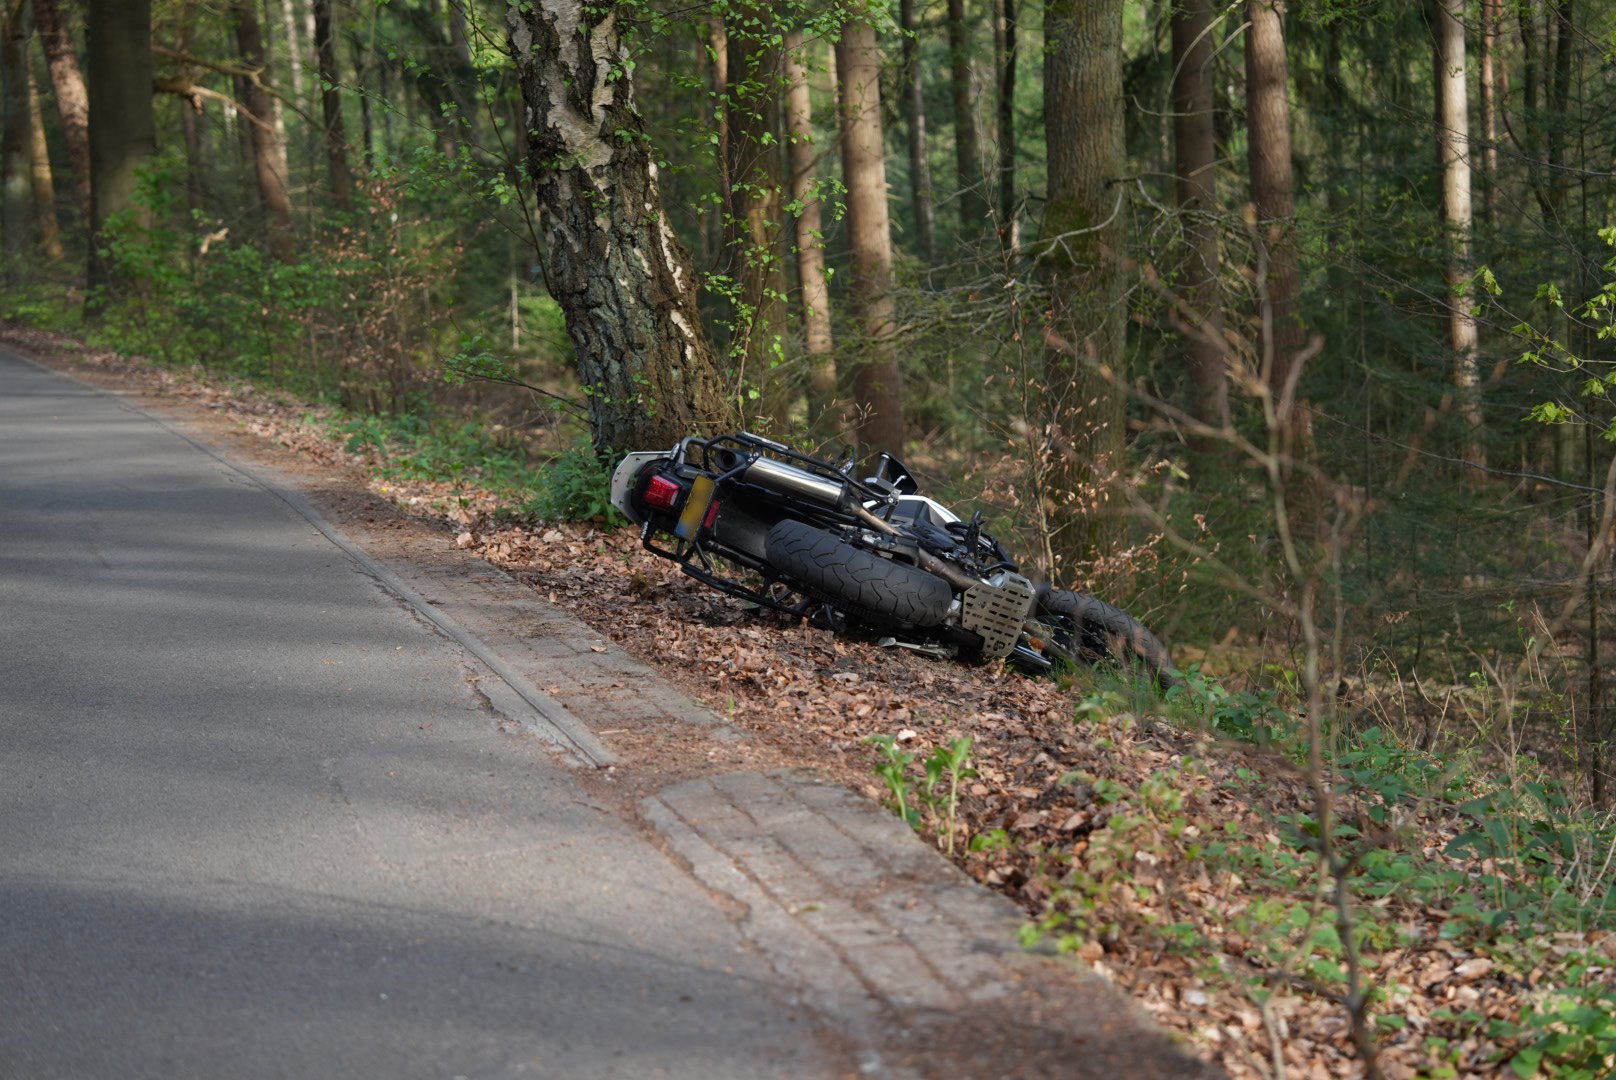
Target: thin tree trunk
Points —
{"points": [[1084, 228], [366, 129], [717, 90], [72, 100], [123, 134], [612, 260], [877, 381], [752, 106], [1559, 87], [1273, 188], [46, 227], [973, 201], [336, 136], [1195, 145], [16, 136], [1004, 20], [191, 132], [1488, 84], [268, 152], [294, 49], [915, 114], [1453, 151], [1531, 97], [266, 37], [810, 243]]}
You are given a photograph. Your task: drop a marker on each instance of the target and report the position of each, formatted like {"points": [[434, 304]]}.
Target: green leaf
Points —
{"points": [[1525, 1063]]}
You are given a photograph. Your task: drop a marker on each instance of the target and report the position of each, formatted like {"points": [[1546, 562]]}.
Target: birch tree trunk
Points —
{"points": [[122, 132], [877, 381], [1273, 187], [611, 259], [810, 243], [1195, 146], [1084, 228], [1453, 153]]}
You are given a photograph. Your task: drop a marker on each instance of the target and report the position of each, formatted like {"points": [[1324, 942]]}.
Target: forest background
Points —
{"points": [[1289, 330]]}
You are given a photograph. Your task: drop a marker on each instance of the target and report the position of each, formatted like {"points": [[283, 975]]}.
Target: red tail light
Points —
{"points": [[712, 516], [661, 492]]}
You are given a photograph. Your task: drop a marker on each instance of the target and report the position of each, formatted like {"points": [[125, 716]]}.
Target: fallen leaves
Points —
{"points": [[1104, 822]]}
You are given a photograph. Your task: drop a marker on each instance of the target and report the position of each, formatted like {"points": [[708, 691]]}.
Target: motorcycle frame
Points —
{"points": [[696, 456]]}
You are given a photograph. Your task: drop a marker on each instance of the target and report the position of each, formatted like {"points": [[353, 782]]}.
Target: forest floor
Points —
{"points": [[1171, 859]]}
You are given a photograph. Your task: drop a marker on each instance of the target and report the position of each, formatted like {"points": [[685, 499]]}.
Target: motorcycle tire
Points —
{"points": [[863, 584], [1103, 633]]}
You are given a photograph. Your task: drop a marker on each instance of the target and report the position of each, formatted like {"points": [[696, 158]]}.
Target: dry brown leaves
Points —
{"points": [[1060, 790]]}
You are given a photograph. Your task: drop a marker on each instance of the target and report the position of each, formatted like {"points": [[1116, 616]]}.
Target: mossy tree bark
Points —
{"points": [[611, 259]]}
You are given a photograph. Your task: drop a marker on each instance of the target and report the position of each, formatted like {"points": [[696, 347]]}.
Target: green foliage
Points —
{"points": [[575, 486], [1249, 715], [933, 802], [415, 445], [1568, 1033]]}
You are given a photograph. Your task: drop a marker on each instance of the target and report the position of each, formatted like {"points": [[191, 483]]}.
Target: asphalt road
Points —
{"points": [[254, 822]]}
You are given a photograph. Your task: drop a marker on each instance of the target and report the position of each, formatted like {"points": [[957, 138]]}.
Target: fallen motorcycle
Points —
{"points": [[757, 520]]}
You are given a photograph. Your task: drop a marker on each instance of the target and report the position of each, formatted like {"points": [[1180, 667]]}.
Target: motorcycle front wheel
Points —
{"points": [[1103, 633], [862, 584]]}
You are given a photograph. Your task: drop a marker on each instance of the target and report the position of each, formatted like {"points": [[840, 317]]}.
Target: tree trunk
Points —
{"points": [[1084, 229], [752, 105], [973, 201], [1004, 20], [717, 54], [1195, 144], [1453, 152], [294, 48], [612, 261], [915, 114], [268, 152], [1273, 188], [1559, 87], [877, 380], [16, 135], [72, 101], [810, 242], [123, 135], [45, 224], [1488, 85], [336, 136], [367, 131]]}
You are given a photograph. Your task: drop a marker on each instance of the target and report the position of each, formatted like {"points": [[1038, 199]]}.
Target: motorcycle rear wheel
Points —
{"points": [[864, 585], [1102, 632]]}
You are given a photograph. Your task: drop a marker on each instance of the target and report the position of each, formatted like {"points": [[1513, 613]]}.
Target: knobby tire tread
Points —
{"points": [[860, 581], [1103, 632]]}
